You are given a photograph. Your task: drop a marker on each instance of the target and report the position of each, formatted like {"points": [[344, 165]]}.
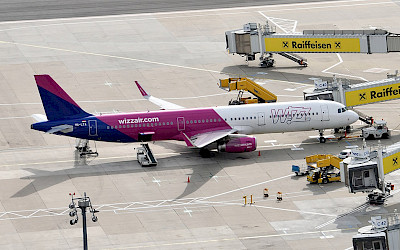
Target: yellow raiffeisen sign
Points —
{"points": [[376, 94], [391, 163], [288, 44]]}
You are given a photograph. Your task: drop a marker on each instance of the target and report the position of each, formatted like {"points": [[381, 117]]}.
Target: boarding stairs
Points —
{"points": [[295, 58], [145, 156], [149, 153]]}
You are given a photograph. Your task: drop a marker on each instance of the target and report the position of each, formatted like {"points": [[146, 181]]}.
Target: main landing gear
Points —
{"points": [[322, 139], [206, 153], [83, 148]]}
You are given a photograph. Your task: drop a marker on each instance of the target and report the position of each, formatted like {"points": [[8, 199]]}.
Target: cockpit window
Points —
{"points": [[339, 111], [344, 109]]}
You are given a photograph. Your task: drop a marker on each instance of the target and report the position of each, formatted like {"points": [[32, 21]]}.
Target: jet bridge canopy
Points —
{"points": [[255, 38], [355, 94]]}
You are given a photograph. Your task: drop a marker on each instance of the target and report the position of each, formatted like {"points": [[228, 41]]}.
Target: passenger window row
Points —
{"points": [[140, 125], [163, 123], [202, 121], [297, 115], [242, 118]]}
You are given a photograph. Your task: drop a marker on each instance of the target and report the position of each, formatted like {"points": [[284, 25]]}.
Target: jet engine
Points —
{"points": [[238, 144]]}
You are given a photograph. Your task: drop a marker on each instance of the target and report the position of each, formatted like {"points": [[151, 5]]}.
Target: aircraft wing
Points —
{"points": [[161, 103], [61, 128], [203, 139]]}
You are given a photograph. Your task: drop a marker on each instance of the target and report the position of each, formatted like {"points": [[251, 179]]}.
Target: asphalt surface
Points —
{"points": [[45, 9], [179, 57]]}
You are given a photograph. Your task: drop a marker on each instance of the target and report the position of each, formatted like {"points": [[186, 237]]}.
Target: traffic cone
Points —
{"points": [[259, 153], [188, 179]]}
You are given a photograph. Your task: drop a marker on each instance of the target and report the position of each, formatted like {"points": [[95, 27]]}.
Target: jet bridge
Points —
{"points": [[255, 38], [352, 95], [365, 171]]}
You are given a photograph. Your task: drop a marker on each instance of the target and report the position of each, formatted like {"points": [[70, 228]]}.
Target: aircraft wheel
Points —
{"points": [[322, 140]]}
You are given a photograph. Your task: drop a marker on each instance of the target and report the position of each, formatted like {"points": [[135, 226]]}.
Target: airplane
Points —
{"points": [[227, 128]]}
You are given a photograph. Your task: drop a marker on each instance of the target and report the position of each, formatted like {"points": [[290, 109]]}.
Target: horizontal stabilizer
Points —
{"points": [[39, 117], [65, 128], [159, 102]]}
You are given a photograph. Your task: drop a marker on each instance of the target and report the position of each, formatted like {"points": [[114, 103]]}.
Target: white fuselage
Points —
{"points": [[287, 116]]}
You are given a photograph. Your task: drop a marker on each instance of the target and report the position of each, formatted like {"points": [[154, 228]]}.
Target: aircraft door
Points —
{"points": [[325, 112], [181, 123], [261, 118], [92, 127]]}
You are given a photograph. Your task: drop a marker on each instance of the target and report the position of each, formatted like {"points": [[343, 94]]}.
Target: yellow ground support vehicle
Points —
{"points": [[324, 168], [245, 84]]}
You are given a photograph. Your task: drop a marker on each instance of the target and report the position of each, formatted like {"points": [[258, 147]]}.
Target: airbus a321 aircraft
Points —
{"points": [[226, 128]]}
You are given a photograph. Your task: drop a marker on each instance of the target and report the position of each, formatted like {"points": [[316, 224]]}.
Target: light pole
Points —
{"points": [[83, 203]]}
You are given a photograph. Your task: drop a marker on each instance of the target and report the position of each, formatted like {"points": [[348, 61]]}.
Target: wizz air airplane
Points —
{"points": [[227, 127]]}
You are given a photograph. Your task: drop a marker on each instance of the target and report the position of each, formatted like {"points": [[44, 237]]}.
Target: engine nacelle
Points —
{"points": [[238, 144]]}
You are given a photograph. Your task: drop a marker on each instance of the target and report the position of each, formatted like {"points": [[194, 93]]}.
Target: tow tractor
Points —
{"points": [[376, 131]]}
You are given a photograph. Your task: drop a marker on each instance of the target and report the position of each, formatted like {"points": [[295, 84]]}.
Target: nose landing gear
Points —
{"points": [[322, 139]]}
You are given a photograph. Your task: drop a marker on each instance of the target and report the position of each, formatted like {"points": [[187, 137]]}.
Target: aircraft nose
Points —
{"points": [[353, 116]]}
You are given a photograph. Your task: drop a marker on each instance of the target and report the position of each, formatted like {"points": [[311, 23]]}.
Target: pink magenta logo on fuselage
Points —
{"points": [[290, 114], [138, 120]]}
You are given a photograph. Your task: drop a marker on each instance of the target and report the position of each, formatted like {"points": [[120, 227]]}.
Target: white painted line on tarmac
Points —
{"points": [[326, 236], [109, 56], [296, 211], [333, 73], [242, 188], [156, 181], [126, 100], [286, 25], [15, 117], [131, 100], [283, 145], [97, 158], [365, 205], [188, 211], [197, 242], [294, 89], [123, 58], [375, 70], [296, 148], [222, 10], [109, 84]]}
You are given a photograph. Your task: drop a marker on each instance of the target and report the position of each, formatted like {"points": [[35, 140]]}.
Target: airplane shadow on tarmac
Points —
{"points": [[203, 170]]}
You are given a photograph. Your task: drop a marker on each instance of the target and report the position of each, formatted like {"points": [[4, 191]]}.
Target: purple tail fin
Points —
{"points": [[57, 104]]}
